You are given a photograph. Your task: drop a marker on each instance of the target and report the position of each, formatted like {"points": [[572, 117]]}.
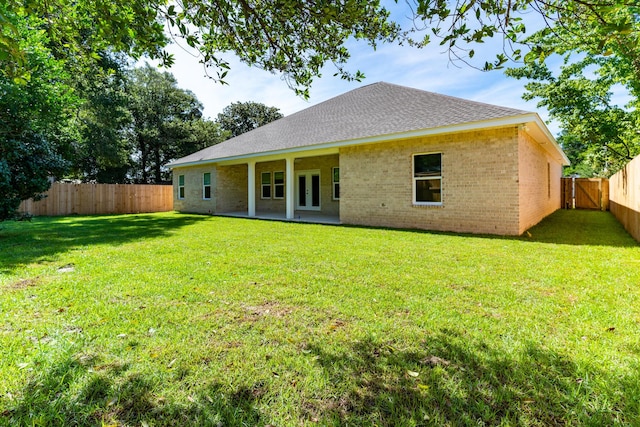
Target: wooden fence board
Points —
{"points": [[92, 199], [625, 197], [585, 193]]}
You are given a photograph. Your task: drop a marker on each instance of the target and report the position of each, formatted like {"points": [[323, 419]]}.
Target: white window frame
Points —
{"points": [[263, 186], [414, 179], [180, 188], [205, 186], [274, 196], [334, 183]]}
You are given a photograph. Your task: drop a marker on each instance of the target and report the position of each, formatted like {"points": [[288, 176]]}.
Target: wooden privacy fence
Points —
{"points": [[93, 199], [625, 197], [585, 193]]}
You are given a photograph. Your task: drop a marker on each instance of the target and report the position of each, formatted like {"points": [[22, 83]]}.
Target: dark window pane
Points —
{"points": [[428, 190], [279, 190], [302, 190], [427, 165], [181, 192], [266, 191], [336, 174], [207, 192], [336, 191]]}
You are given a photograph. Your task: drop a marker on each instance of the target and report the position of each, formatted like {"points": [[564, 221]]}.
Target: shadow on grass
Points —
{"points": [[81, 393], [40, 240], [447, 380], [450, 381]]}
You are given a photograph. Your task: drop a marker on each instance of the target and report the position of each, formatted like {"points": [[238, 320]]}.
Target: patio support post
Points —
{"points": [[289, 181], [251, 189]]}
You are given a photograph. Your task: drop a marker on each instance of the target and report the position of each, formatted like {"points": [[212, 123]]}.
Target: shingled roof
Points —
{"points": [[370, 111]]}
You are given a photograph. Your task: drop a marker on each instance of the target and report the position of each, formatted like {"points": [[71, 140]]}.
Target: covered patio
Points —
{"points": [[299, 216]]}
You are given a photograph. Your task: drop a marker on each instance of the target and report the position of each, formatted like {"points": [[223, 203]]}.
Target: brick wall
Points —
{"points": [[479, 183], [231, 189], [193, 198], [539, 182], [272, 204], [228, 189]]}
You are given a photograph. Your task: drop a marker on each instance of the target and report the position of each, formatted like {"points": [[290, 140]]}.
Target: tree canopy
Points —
{"points": [[166, 123], [289, 37], [34, 121], [600, 52], [240, 117]]}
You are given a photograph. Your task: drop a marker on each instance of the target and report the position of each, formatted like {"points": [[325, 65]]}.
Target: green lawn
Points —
{"points": [[170, 319]]}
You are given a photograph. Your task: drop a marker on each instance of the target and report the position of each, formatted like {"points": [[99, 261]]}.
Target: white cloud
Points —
{"points": [[428, 69]]}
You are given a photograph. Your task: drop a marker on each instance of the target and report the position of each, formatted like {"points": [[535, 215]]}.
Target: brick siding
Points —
{"points": [[193, 198], [479, 183], [231, 189], [539, 182]]}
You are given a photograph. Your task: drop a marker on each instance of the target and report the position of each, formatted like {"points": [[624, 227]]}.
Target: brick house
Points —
{"points": [[384, 155]]}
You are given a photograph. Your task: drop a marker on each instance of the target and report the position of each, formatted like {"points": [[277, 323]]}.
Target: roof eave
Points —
{"points": [[462, 127], [545, 134]]}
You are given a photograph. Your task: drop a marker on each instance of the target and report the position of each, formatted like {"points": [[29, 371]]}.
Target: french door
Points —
{"points": [[308, 190]]}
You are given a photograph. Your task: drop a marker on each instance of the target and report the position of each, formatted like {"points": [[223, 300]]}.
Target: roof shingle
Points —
{"points": [[369, 111]]}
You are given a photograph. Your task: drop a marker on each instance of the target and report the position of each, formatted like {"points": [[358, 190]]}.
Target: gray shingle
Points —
{"points": [[372, 110]]}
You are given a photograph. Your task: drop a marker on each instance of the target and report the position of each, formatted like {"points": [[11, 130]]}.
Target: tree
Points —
{"points": [[600, 136], [103, 149], [599, 42], [163, 118], [240, 117], [603, 27], [597, 59], [79, 31], [200, 134], [287, 36], [35, 121]]}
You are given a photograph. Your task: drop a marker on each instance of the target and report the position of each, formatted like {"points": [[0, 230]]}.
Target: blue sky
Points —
{"points": [[428, 68]]}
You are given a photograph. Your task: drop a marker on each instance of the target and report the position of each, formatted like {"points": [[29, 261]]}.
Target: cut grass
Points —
{"points": [[171, 319]]}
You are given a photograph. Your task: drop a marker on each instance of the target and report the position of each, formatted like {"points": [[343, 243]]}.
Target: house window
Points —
{"points": [[206, 186], [266, 185], [336, 183], [180, 186], [278, 185], [427, 179]]}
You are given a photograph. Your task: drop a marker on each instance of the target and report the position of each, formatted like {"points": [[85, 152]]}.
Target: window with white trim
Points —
{"points": [[266, 185], [427, 179], [206, 186], [180, 186], [278, 185], [335, 173]]}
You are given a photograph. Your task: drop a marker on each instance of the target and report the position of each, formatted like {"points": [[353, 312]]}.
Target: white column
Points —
{"points": [[289, 186], [251, 189]]}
